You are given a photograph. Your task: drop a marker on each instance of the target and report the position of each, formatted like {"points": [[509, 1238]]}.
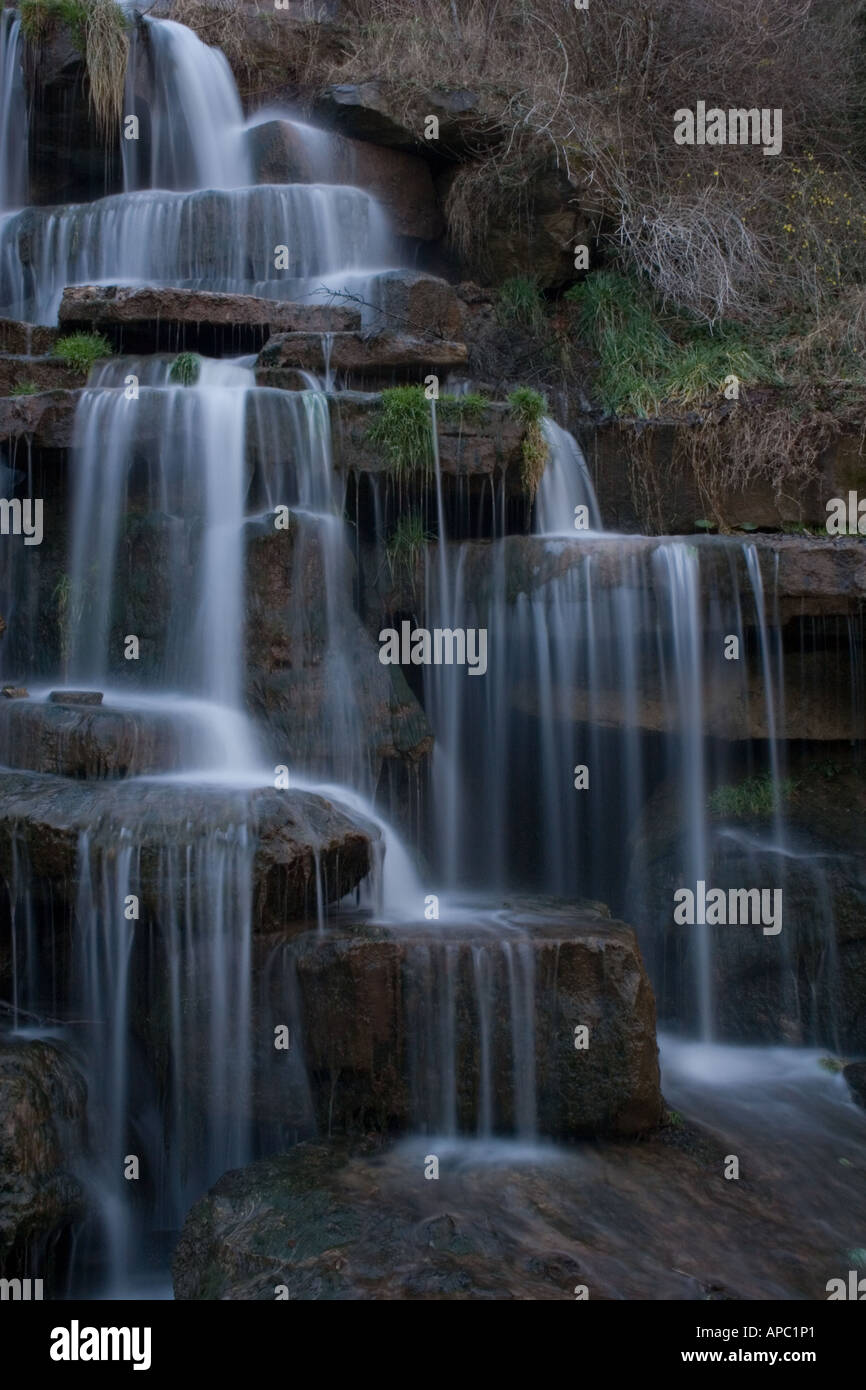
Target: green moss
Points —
{"points": [[80, 350], [185, 369], [403, 429], [752, 798], [25, 388]]}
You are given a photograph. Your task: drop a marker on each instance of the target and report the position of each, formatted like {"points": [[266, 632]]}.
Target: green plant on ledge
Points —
{"points": [[80, 350], [528, 407], [403, 429], [406, 544], [185, 369], [25, 388], [468, 409], [521, 302]]}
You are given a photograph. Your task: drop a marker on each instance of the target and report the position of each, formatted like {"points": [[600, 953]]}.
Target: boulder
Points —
{"points": [[42, 1136], [410, 302], [287, 152]]}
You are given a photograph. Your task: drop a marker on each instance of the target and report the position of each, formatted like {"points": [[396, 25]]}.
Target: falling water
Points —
{"points": [[191, 123], [13, 115]]}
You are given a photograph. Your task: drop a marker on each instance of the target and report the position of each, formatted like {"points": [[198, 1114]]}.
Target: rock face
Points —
{"points": [[284, 152], [153, 320], [44, 373], [855, 1075], [302, 845], [47, 418], [42, 1135], [26, 339], [473, 1026], [675, 499]]}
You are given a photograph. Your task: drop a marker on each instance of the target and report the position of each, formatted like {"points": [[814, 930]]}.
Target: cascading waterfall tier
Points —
{"points": [[275, 241]]}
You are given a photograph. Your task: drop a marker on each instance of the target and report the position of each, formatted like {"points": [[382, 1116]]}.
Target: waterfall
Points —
{"points": [[191, 128], [14, 176], [225, 240], [565, 485]]}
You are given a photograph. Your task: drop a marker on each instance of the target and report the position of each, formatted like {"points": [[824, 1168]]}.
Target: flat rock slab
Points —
{"points": [[300, 846], [472, 1024], [46, 419], [155, 319], [364, 354]]}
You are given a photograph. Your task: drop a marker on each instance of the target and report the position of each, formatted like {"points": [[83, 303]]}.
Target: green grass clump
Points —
{"points": [[649, 360], [521, 302], [39, 16], [25, 388], [80, 350], [750, 798], [529, 407], [468, 409], [185, 369], [406, 544], [403, 429], [831, 1064]]}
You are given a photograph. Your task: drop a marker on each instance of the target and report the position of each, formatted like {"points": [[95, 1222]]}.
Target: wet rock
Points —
{"points": [[152, 320], [284, 153], [653, 1221], [474, 1025], [14, 692], [90, 740], [42, 1135], [303, 846]]}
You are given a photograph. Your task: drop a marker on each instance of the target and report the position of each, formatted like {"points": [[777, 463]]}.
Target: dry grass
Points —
{"points": [[106, 53], [593, 94]]}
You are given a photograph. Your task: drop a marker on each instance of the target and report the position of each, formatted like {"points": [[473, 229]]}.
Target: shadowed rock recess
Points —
{"points": [[371, 961]]}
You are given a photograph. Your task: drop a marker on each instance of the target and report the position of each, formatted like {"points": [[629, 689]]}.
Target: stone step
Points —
{"points": [[154, 320], [68, 738], [395, 1018], [303, 845]]}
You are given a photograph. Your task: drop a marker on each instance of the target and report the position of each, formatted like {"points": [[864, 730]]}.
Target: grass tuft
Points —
{"points": [[403, 429], [80, 350]]}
